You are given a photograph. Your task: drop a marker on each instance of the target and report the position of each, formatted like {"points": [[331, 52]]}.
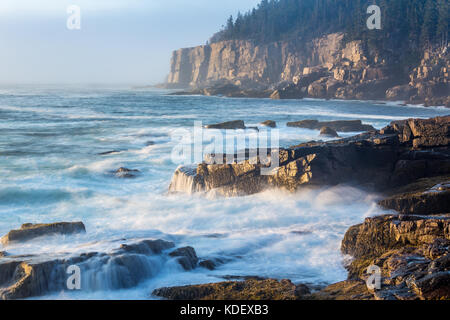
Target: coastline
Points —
{"points": [[106, 168], [409, 247], [195, 92]]}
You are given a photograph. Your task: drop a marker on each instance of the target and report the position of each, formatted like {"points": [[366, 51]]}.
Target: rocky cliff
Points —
{"points": [[239, 61], [326, 67]]}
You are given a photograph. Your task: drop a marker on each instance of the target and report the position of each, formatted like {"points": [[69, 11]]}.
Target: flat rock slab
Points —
{"points": [[30, 231], [237, 124], [340, 125], [269, 289]]}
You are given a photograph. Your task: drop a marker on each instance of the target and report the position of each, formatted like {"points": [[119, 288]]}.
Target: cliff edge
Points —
{"points": [[325, 67]]}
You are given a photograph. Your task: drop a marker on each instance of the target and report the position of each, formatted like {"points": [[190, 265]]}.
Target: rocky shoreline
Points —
{"points": [[325, 68], [408, 162]]}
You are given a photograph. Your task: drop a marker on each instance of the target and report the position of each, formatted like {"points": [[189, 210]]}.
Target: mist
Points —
{"points": [[120, 41]]}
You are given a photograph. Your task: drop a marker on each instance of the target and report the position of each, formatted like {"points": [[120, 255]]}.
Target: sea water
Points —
{"points": [[59, 145]]}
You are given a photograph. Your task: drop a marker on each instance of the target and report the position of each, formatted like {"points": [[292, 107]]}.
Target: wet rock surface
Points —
{"points": [[378, 160], [409, 162], [186, 257], [235, 124], [268, 289], [341, 125], [269, 123], [420, 203], [328, 132], [30, 231], [413, 256], [124, 267], [126, 173]]}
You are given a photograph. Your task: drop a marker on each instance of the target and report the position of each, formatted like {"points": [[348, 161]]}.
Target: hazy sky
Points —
{"points": [[120, 41]]}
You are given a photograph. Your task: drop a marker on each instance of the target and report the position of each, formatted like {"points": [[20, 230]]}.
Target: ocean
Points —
{"points": [[60, 144]]}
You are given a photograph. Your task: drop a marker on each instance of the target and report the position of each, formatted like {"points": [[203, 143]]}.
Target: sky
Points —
{"points": [[119, 41]]}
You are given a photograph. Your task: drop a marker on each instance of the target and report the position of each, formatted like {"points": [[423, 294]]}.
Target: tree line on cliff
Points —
{"points": [[410, 23]]}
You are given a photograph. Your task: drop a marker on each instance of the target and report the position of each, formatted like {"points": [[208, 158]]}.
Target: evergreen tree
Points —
{"points": [[430, 20], [442, 32], [410, 23]]}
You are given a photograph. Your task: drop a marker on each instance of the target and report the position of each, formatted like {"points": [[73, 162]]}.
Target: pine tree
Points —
{"points": [[442, 32], [407, 24], [430, 19]]}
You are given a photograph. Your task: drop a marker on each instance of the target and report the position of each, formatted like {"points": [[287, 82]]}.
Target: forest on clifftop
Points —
{"points": [[411, 23]]}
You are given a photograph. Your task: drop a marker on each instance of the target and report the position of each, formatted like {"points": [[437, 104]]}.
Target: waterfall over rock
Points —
{"points": [[184, 180], [23, 277]]}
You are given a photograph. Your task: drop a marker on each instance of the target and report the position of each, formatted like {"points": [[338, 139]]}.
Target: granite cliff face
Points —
{"points": [[242, 60], [326, 67]]}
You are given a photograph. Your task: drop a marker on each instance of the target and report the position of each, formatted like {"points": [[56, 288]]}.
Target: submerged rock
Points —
{"points": [[269, 123], [328, 132], [211, 264], [186, 257], [30, 231], [236, 290], [126, 173], [340, 125], [147, 247], [106, 153], [24, 277], [237, 124]]}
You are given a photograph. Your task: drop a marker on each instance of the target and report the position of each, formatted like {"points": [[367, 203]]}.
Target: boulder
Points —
{"points": [[318, 89], [269, 123], [403, 92], [236, 124], [328, 132], [207, 264], [186, 257], [24, 277], [147, 247], [290, 91], [30, 231], [126, 173], [276, 95]]}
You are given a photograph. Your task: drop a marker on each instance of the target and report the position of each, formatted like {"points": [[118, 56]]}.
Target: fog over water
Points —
{"points": [[120, 41]]}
